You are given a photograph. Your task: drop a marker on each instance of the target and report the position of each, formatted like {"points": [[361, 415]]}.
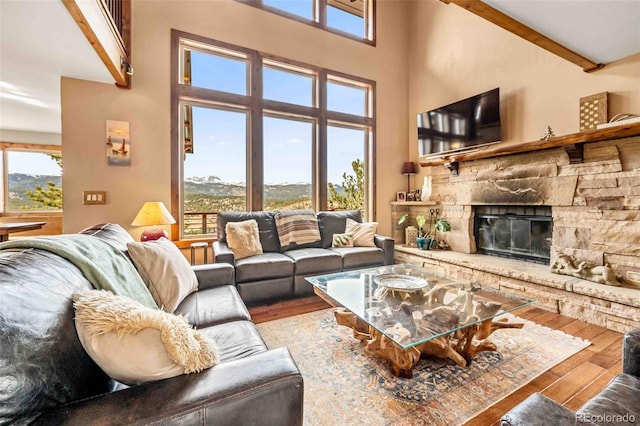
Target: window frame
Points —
{"points": [[6, 147], [256, 108], [319, 19]]}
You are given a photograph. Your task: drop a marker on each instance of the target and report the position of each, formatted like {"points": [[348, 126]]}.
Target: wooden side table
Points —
{"points": [[195, 246]]}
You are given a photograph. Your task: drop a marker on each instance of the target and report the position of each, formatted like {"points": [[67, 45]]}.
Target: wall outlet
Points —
{"points": [[94, 197], [633, 277]]}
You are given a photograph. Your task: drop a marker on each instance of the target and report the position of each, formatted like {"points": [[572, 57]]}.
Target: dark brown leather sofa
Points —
{"points": [[617, 404], [47, 378], [280, 274]]}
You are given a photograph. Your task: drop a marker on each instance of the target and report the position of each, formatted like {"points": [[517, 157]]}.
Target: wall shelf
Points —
{"points": [[572, 143], [413, 203]]}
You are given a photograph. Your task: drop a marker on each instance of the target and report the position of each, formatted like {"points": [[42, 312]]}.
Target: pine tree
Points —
{"points": [[352, 197], [51, 197]]}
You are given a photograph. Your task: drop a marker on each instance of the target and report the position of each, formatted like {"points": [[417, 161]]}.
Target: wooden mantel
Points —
{"points": [[571, 143]]}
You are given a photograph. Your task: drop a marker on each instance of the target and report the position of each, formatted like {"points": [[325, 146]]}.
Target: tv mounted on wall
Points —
{"points": [[460, 125]]}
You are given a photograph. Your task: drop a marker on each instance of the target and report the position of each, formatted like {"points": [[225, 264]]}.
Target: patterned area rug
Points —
{"points": [[345, 386]]}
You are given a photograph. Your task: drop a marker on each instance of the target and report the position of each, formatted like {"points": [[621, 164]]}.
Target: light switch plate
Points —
{"points": [[94, 197]]}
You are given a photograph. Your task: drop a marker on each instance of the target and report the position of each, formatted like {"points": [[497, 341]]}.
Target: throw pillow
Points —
{"points": [[297, 229], [243, 238], [165, 271], [134, 344], [363, 233], [342, 240]]}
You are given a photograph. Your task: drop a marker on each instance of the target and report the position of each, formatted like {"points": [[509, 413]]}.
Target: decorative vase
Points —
{"points": [[426, 189], [421, 241]]}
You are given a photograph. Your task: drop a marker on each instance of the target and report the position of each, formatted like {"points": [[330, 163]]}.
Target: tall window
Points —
{"points": [[32, 179], [258, 133], [350, 18]]}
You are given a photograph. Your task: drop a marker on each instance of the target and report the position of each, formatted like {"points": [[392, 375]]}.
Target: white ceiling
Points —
{"points": [[602, 31], [40, 42]]}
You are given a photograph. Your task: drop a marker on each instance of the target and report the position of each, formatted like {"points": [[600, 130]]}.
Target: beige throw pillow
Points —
{"points": [[243, 238], [165, 271], [134, 344], [363, 233]]}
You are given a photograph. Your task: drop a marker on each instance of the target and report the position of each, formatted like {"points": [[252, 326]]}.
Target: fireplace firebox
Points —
{"points": [[518, 232]]}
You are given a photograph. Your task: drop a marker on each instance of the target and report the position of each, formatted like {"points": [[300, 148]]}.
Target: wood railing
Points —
{"points": [[200, 223], [107, 26]]}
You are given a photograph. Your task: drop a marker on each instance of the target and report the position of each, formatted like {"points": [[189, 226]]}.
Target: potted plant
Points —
{"points": [[441, 225]]}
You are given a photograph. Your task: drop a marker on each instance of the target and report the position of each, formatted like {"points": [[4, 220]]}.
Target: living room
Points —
{"points": [[426, 54]]}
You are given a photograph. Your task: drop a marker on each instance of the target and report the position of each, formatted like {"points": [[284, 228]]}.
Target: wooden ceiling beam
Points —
{"points": [[498, 18]]}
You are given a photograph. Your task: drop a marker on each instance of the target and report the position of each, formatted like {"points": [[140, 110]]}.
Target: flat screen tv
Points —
{"points": [[460, 125]]}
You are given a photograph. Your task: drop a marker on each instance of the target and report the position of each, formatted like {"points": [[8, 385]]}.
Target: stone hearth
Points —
{"points": [[616, 308]]}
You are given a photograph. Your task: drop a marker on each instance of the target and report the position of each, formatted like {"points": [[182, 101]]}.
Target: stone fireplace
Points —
{"points": [[594, 208]]}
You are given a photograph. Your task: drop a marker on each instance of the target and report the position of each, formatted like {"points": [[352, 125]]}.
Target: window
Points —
{"points": [[32, 178], [298, 138], [349, 18]]}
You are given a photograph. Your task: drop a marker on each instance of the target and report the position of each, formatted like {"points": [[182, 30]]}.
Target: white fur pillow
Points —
{"points": [[363, 233], [243, 238], [134, 344], [165, 271]]}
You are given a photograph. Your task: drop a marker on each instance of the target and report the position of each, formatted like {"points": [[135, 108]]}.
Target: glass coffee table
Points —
{"points": [[404, 312]]}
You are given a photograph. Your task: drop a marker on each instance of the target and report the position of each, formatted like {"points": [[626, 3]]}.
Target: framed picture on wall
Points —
{"points": [[401, 196], [118, 143]]}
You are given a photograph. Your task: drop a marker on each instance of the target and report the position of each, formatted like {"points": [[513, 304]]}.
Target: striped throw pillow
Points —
{"points": [[296, 229]]}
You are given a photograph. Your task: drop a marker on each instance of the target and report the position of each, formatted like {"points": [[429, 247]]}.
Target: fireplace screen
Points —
{"points": [[514, 231]]}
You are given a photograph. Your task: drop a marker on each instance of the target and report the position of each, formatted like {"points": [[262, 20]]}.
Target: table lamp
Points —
{"points": [[409, 168], [153, 213]]}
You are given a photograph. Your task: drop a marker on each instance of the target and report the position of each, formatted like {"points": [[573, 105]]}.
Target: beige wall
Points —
{"points": [[454, 54], [86, 105]]}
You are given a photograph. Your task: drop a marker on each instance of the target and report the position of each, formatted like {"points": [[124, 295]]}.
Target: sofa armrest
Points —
{"points": [[387, 245], [538, 410], [263, 389], [214, 275], [222, 253], [631, 353]]}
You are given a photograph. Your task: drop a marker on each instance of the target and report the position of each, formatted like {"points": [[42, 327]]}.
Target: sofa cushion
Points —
{"points": [[363, 233], [243, 238], [235, 340], [311, 261], [335, 223], [297, 229], [619, 399], [212, 306], [165, 271], [358, 257], [266, 227], [263, 267], [134, 344]]}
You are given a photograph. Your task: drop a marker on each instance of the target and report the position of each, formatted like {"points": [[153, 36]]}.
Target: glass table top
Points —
{"points": [[411, 305]]}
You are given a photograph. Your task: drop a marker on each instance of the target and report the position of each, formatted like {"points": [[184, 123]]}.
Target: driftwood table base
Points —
{"points": [[460, 346]]}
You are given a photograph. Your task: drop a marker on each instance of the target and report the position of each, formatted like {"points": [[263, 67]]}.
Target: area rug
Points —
{"points": [[345, 386]]}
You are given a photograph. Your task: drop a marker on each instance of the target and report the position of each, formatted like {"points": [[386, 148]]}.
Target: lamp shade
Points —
{"points": [[153, 213], [409, 168]]}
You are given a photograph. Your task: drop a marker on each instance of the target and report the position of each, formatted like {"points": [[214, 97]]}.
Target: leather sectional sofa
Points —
{"points": [[46, 377], [617, 404], [278, 274]]}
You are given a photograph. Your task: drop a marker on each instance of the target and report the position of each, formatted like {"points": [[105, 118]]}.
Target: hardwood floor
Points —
{"points": [[571, 383]]}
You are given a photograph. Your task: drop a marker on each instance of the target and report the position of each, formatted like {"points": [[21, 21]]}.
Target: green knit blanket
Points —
{"points": [[102, 264]]}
